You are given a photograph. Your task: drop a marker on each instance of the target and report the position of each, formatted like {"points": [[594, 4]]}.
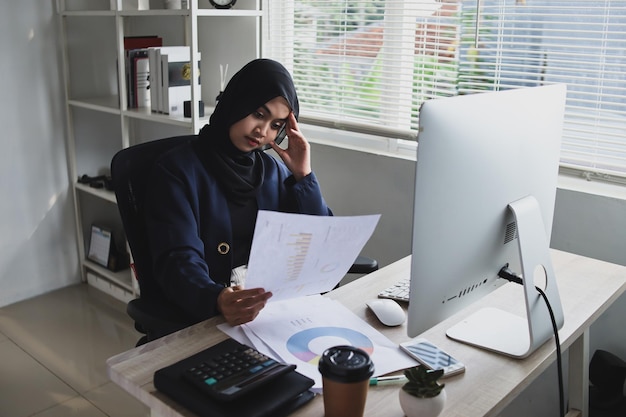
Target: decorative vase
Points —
{"points": [[422, 407]]}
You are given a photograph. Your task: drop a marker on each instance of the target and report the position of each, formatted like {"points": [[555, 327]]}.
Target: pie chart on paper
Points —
{"points": [[308, 345]]}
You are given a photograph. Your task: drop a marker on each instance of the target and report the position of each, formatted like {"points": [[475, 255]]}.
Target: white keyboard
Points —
{"points": [[399, 291]]}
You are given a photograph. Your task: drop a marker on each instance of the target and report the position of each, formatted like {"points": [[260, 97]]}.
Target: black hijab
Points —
{"points": [[241, 173]]}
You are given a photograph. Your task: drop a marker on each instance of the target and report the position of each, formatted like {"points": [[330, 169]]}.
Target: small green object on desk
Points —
{"points": [[384, 380], [422, 382]]}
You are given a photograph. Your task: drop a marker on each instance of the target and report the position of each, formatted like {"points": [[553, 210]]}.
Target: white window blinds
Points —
{"points": [[368, 65], [580, 43], [363, 65]]}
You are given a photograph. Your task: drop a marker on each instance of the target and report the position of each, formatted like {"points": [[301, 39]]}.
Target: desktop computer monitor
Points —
{"points": [[485, 187]]}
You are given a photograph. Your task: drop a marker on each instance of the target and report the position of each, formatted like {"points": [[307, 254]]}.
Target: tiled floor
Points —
{"points": [[53, 350]]}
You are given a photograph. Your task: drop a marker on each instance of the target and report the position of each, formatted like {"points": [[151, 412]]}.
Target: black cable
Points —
{"points": [[558, 352], [509, 275]]}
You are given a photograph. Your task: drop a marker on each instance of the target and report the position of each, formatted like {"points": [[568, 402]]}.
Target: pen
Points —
{"points": [[384, 380]]}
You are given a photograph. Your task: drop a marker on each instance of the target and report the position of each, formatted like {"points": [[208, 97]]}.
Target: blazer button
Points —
{"points": [[223, 248]]}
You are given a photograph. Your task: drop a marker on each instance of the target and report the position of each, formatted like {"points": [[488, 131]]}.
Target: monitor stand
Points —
{"points": [[507, 333]]}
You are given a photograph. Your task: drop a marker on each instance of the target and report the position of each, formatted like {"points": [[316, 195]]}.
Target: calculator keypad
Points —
{"points": [[229, 373]]}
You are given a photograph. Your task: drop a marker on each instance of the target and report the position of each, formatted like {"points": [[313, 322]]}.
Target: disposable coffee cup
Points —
{"points": [[346, 371]]}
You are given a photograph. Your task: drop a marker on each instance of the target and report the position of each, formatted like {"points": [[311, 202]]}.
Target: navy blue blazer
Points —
{"points": [[189, 227]]}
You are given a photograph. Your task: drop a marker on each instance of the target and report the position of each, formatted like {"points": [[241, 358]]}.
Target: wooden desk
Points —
{"points": [[587, 288]]}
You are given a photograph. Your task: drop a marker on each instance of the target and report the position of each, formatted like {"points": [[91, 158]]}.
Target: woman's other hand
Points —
{"points": [[239, 306]]}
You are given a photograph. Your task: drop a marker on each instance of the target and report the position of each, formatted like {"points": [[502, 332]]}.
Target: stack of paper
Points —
{"points": [[299, 330]]}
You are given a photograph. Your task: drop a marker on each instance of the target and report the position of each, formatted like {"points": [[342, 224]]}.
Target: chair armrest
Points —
{"points": [[363, 265], [155, 319]]}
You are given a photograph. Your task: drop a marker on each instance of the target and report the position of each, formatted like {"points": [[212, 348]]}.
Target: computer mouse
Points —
{"points": [[387, 311]]}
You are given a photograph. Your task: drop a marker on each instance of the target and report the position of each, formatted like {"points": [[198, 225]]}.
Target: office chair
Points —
{"points": [[130, 171]]}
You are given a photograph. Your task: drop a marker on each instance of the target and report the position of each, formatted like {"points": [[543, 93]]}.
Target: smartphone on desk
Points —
{"points": [[432, 356]]}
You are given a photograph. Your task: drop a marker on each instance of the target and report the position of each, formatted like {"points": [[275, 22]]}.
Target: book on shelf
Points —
{"points": [[156, 89], [138, 69], [139, 85], [159, 58], [155, 79], [176, 80], [140, 42]]}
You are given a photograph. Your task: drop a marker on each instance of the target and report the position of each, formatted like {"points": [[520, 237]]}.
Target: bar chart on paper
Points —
{"points": [[296, 255], [295, 262]]}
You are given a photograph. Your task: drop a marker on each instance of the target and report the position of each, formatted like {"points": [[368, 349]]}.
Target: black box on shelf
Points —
{"points": [[187, 108]]}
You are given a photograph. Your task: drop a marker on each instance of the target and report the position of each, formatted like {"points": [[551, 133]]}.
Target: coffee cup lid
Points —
{"points": [[346, 364]]}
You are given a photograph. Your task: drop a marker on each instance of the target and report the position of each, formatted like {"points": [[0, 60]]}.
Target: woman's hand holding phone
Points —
{"points": [[297, 154]]}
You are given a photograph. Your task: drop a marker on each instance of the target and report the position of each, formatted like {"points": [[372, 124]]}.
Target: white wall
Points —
{"points": [[38, 249], [363, 183]]}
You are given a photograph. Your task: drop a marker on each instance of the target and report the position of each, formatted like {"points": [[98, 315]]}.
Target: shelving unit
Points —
{"points": [[99, 122]]}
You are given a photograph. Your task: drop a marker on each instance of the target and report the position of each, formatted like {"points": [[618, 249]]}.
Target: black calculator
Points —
{"points": [[229, 369]]}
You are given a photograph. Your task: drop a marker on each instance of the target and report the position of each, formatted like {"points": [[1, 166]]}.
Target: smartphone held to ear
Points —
{"points": [[282, 134], [432, 356]]}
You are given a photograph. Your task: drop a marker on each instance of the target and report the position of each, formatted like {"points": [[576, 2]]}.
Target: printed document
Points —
{"points": [[299, 330], [295, 255]]}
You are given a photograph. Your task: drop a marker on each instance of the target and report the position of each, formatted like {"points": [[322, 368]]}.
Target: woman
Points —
{"points": [[204, 197]]}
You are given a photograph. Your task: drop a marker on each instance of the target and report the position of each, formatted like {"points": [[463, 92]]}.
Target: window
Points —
{"points": [[365, 65], [368, 65]]}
